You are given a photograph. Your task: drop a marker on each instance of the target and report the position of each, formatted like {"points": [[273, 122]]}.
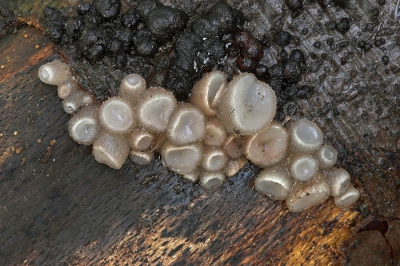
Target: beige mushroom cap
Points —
{"points": [[208, 91], [305, 136], [182, 159], [338, 180], [111, 149], [187, 125], [132, 88], [247, 105], [155, 108], [347, 198], [274, 182], [116, 115], [77, 99], [54, 72], [84, 126], [212, 180], [267, 147], [306, 195]]}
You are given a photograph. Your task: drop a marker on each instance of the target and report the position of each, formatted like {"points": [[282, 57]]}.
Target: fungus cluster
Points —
{"points": [[208, 139]]}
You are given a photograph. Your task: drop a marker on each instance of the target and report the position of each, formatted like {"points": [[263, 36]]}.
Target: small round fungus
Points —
{"points": [[77, 99], [141, 157], [66, 87], [347, 198], [274, 182], [302, 166], [187, 125], [211, 180], [305, 136], [182, 159], [247, 106], [214, 159], [141, 140], [215, 134], [326, 156], [54, 72], [267, 147], [132, 87], [306, 195], [84, 126], [111, 149], [155, 108], [116, 115], [207, 92], [338, 180]]}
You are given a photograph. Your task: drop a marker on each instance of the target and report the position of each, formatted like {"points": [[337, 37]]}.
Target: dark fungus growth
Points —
{"points": [[343, 25], [104, 42], [295, 6]]}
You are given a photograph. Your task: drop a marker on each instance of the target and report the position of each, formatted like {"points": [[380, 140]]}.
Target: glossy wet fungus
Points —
{"points": [[132, 59]]}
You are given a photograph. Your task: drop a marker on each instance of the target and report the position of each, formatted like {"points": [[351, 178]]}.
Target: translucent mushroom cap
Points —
{"points": [[110, 149], [116, 115], [305, 136], [132, 87], [141, 157], [212, 180], [306, 195], [302, 166], [274, 182], [84, 126], [247, 106], [326, 156], [233, 147], [182, 159], [187, 125], [54, 72], [338, 180], [155, 108], [208, 91], [267, 147], [214, 159], [347, 198]]}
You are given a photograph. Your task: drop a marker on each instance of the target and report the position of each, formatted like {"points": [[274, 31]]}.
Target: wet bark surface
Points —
{"points": [[57, 205]]}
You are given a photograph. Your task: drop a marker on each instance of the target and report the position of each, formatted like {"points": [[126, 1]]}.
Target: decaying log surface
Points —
{"points": [[57, 205]]}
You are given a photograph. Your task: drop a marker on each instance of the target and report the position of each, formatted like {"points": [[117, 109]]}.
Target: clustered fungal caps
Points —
{"points": [[208, 139]]}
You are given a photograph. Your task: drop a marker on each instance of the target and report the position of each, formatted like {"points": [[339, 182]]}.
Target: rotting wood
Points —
{"points": [[74, 210]]}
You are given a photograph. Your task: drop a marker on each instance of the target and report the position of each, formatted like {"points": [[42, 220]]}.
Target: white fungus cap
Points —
{"points": [[274, 182], [267, 147], [326, 156], [141, 157], [141, 140], [155, 108], [182, 159], [347, 198], [306, 195], [66, 87], [187, 125], [214, 159], [54, 72], [132, 87], [302, 166], [247, 106], [234, 166], [208, 91], [212, 180], [110, 149], [305, 136], [77, 99], [233, 147], [338, 180], [215, 134], [117, 116], [84, 126]]}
